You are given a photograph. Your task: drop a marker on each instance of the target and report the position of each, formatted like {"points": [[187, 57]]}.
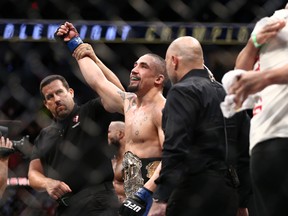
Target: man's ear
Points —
{"points": [[160, 79], [121, 134], [71, 91], [175, 62]]}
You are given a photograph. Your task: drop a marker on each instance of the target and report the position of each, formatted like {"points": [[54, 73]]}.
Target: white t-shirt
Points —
{"points": [[271, 120]]}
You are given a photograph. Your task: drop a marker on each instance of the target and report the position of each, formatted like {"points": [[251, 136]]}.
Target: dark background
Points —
{"points": [[24, 64]]}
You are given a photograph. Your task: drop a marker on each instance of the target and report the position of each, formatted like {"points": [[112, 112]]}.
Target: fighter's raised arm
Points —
{"points": [[105, 83], [112, 97], [86, 50]]}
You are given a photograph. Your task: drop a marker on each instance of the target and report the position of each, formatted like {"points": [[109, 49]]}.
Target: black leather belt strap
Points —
{"points": [[71, 198]]}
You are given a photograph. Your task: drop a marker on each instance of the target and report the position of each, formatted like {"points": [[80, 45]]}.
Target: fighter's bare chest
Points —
{"points": [[138, 120]]}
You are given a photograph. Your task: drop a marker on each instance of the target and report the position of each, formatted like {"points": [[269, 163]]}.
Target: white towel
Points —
{"points": [[228, 106]]}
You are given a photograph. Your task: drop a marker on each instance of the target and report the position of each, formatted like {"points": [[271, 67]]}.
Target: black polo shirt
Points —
{"points": [[75, 150], [196, 133]]}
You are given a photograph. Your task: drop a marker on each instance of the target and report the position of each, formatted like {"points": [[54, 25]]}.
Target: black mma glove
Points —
{"points": [[139, 204]]}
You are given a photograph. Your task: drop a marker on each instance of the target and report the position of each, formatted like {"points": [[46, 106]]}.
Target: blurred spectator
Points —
{"points": [[116, 139]]}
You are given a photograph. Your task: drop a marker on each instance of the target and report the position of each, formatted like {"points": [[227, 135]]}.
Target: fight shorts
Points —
{"points": [[137, 171]]}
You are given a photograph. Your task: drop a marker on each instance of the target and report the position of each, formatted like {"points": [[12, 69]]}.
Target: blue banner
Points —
{"points": [[127, 32]]}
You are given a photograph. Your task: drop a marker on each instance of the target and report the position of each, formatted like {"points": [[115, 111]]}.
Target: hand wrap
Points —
{"points": [[74, 43]]}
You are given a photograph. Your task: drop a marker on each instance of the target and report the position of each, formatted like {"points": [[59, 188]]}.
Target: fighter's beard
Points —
{"points": [[114, 147], [132, 88], [115, 142]]}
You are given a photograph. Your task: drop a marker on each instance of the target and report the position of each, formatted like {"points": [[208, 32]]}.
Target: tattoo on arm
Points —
{"points": [[122, 95], [131, 98]]}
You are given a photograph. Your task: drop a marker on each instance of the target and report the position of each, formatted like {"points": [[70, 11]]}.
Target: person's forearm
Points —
{"points": [[3, 175], [247, 57], [92, 74], [37, 180], [276, 76], [86, 50], [110, 94], [108, 73]]}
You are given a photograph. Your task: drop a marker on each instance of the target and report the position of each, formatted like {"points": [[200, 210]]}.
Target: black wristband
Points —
{"points": [[5, 152]]}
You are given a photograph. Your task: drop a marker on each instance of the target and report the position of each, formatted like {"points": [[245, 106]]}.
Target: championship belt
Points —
{"points": [[132, 174]]}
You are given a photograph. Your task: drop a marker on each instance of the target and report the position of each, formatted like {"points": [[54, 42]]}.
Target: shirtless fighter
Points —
{"points": [[142, 106]]}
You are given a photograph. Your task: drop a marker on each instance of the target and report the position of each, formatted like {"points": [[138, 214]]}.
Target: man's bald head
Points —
{"points": [[117, 125], [184, 54], [187, 47], [116, 132]]}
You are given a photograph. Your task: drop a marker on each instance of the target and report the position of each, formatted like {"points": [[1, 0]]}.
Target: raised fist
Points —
{"points": [[66, 32]]}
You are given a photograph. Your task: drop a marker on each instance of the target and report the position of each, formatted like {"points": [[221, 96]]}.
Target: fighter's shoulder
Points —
{"points": [[157, 111], [160, 103], [129, 95], [129, 100]]}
